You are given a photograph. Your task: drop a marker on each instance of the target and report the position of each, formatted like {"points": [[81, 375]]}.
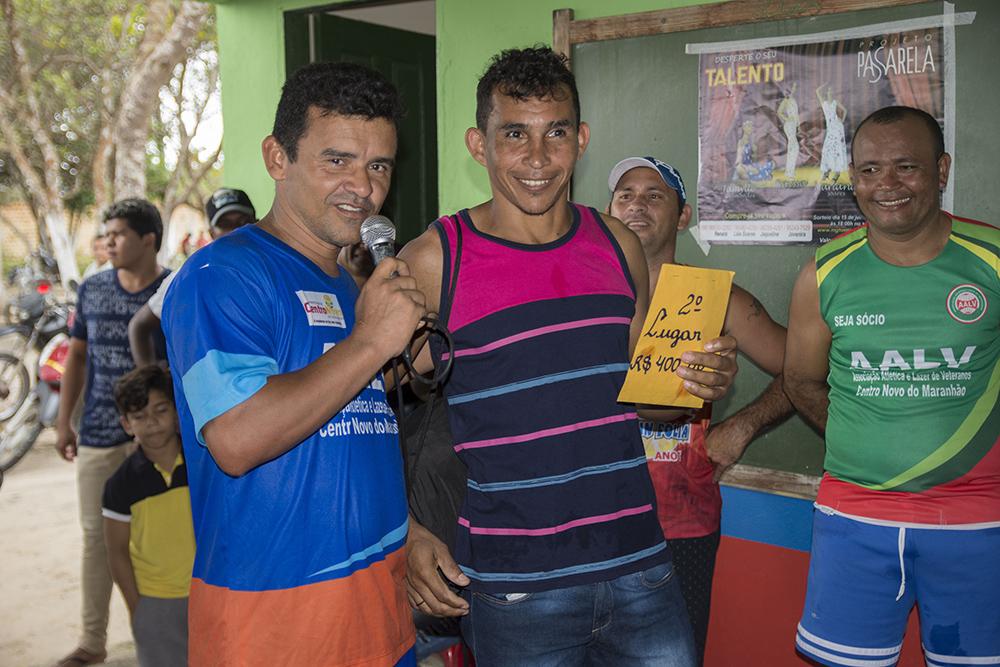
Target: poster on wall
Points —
{"points": [[775, 128]]}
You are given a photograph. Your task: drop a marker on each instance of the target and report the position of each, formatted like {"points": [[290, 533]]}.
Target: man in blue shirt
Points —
{"points": [[294, 467], [98, 356]]}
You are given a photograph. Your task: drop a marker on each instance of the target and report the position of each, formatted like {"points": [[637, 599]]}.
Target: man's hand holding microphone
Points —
{"points": [[390, 306]]}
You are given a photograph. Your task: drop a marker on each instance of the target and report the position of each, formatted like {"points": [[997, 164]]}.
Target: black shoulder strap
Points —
{"points": [[449, 268], [449, 280]]}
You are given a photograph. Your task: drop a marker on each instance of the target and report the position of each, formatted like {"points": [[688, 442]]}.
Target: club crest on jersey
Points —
{"points": [[967, 304], [322, 309]]}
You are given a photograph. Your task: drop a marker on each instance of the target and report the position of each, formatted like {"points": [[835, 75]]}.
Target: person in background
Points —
{"points": [[98, 356], [147, 520], [183, 249], [686, 458], [227, 209], [99, 249]]}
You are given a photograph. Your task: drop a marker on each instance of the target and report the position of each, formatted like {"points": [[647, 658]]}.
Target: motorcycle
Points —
{"points": [[36, 317], [28, 283], [39, 406]]}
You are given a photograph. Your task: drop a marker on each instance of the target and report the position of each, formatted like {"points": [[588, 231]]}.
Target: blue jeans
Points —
{"points": [[635, 620]]}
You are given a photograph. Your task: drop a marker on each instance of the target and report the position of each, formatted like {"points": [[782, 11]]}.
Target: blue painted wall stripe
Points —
{"points": [[767, 518]]}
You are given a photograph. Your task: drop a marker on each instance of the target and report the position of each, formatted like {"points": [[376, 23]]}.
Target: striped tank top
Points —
{"points": [[558, 490]]}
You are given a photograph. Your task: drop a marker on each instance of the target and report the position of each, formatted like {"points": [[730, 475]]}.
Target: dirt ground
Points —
{"points": [[39, 566]]}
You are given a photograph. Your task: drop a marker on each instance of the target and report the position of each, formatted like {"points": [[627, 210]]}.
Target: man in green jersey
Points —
{"points": [[893, 350]]}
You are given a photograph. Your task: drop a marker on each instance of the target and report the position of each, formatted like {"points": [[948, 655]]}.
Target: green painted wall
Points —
{"points": [[252, 70], [469, 32]]}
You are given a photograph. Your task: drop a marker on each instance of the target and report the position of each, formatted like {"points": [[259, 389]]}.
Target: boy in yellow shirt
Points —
{"points": [[147, 519]]}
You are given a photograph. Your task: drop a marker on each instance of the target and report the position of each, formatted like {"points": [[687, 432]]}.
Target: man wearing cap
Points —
{"points": [[685, 458], [227, 209]]}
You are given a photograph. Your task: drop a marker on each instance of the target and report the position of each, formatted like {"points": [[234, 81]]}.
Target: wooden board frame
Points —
{"points": [[769, 480], [566, 31]]}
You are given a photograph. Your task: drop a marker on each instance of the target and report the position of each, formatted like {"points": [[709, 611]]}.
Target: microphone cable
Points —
{"points": [[434, 327], [378, 235]]}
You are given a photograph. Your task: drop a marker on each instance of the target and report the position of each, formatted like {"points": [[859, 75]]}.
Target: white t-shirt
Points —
{"points": [[155, 302]]}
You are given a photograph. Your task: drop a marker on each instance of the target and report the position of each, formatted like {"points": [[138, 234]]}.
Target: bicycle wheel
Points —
{"points": [[15, 383], [19, 433]]}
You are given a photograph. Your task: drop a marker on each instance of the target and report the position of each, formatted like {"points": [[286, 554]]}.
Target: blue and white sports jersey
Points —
{"points": [[302, 556]]}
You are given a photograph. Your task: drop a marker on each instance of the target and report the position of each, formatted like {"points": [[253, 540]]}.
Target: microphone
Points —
{"points": [[379, 234]]}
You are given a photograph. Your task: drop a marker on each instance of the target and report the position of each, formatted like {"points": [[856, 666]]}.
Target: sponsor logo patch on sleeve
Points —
{"points": [[322, 309]]}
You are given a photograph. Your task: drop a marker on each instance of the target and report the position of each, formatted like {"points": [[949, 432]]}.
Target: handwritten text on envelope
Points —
{"points": [[686, 311]]}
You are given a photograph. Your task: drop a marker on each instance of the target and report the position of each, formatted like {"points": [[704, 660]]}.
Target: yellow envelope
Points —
{"points": [[688, 309]]}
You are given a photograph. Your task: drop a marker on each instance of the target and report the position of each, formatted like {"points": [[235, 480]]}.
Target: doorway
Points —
{"points": [[398, 40]]}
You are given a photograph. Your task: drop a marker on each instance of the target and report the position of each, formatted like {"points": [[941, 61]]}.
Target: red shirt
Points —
{"points": [[688, 501]]}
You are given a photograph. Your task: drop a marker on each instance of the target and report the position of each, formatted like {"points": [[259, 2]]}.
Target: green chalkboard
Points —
{"points": [[640, 97]]}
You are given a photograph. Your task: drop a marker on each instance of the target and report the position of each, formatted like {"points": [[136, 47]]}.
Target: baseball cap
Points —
{"points": [[228, 200], [670, 176]]}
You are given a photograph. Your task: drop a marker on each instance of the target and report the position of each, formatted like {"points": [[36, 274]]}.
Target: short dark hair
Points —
{"points": [[131, 392], [140, 214], [533, 73], [894, 114], [346, 89]]}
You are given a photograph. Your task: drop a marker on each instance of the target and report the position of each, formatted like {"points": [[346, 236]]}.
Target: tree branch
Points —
{"points": [[33, 181], [32, 120], [138, 103], [203, 169]]}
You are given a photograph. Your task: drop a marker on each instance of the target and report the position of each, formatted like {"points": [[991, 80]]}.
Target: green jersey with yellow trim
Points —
{"points": [[914, 362]]}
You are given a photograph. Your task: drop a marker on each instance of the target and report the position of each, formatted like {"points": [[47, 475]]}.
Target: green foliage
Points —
{"points": [[157, 174], [80, 53], [69, 49], [10, 261]]}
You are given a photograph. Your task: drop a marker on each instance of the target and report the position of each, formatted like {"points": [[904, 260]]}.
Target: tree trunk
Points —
{"points": [[101, 166], [62, 247], [141, 96]]}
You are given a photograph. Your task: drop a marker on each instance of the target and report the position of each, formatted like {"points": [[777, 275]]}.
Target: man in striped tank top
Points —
{"points": [[558, 545], [894, 349]]}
